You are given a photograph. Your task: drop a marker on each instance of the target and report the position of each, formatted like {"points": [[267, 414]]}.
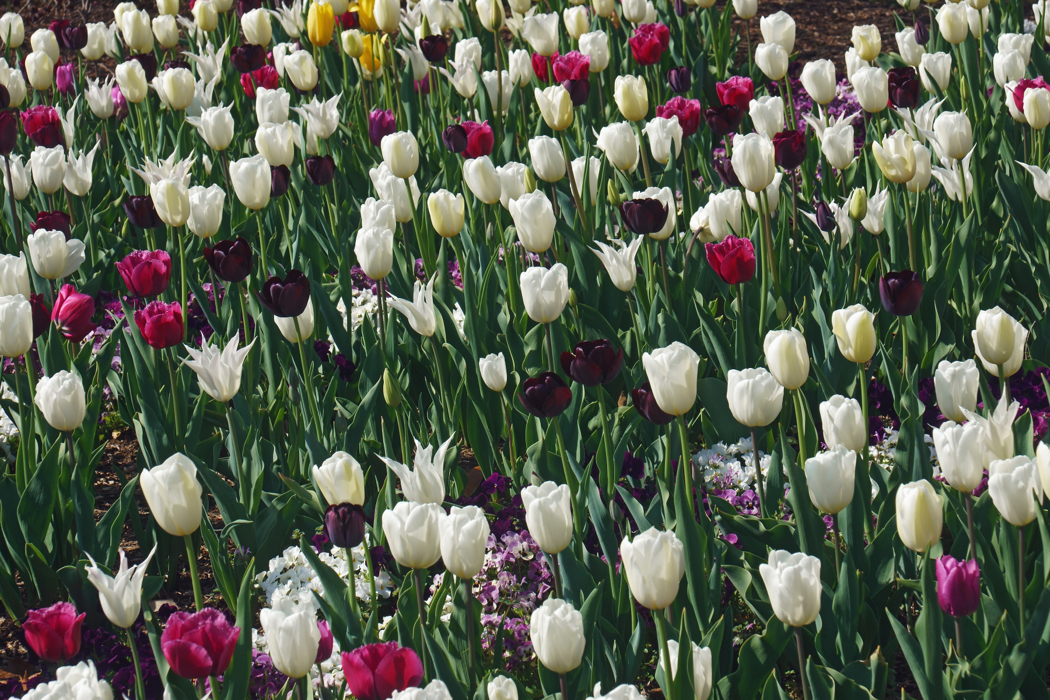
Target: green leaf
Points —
{"points": [[236, 679], [756, 661], [913, 655], [38, 500]]}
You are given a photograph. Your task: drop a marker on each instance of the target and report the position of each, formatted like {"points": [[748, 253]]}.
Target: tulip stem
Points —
{"points": [[513, 458], [174, 394], [1004, 385], [550, 348], [904, 344], [645, 156], [11, 199], [191, 557], [837, 539], [607, 447], [1020, 576], [740, 330], [759, 479], [661, 633], [308, 383], [556, 574], [969, 524], [790, 101], [446, 411], [140, 686], [182, 276], [371, 579], [686, 464], [801, 664], [800, 421], [572, 184], [469, 594], [235, 453], [862, 384], [663, 269], [564, 686], [418, 575], [768, 231], [912, 260], [958, 638]]}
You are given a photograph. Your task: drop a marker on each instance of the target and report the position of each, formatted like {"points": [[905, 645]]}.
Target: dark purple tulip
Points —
{"points": [[434, 48], [74, 38], [455, 138], [922, 34], [825, 219], [381, 122], [280, 177], [579, 91], [680, 79], [901, 292], [545, 396], [286, 298], [230, 260], [593, 362], [680, 8], [141, 212], [345, 525], [320, 169], [248, 57], [904, 87], [247, 6], [646, 404], [644, 216], [149, 65], [724, 120], [958, 586], [177, 64], [8, 133], [724, 168], [56, 26], [789, 148], [52, 221], [41, 314]]}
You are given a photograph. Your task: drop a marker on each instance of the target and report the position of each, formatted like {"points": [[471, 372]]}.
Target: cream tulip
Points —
{"points": [[464, 534], [672, 373], [401, 153], [556, 631], [1015, 487], [40, 70], [300, 68], [555, 105], [953, 23], [753, 161], [16, 325], [446, 212], [172, 202], [206, 206], [754, 397], [251, 180], [548, 160], [919, 515], [340, 480], [867, 41], [173, 495], [787, 356], [534, 221], [482, 179], [999, 341], [166, 31], [545, 292], [44, 40], [818, 78], [772, 60], [256, 27], [632, 97], [872, 87], [854, 329], [896, 156]]}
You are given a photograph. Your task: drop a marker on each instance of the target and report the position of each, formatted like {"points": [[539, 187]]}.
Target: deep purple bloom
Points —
{"points": [[149, 65], [141, 212], [546, 395], [248, 58], [825, 219], [900, 292], [455, 138], [644, 216], [593, 362], [345, 525], [645, 402], [230, 260], [280, 179], [66, 79], [724, 168], [904, 87], [286, 298], [958, 586], [680, 79], [320, 169], [724, 120], [381, 122], [434, 47], [789, 148]]}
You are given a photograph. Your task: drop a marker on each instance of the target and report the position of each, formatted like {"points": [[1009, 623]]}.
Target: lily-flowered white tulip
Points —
{"points": [[420, 311], [77, 178], [120, 595], [619, 261], [219, 373], [425, 482], [874, 221], [1040, 180]]}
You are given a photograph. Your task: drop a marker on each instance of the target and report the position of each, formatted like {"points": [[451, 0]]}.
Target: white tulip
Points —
{"points": [[793, 584], [219, 373], [16, 325], [545, 292], [493, 370], [663, 134], [818, 78], [464, 534], [174, 495], [548, 160], [654, 562], [413, 532], [999, 341], [292, 635], [206, 205], [620, 146], [420, 311], [843, 422], [755, 398], [619, 261], [340, 480], [425, 482], [1015, 487], [556, 631], [955, 384], [296, 329], [830, 476], [53, 256], [854, 329], [548, 515], [772, 60], [787, 356], [935, 71], [919, 515], [672, 373], [120, 595], [960, 453]]}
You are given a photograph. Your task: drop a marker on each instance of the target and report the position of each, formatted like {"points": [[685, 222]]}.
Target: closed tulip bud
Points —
{"points": [[956, 386], [909, 48], [413, 532], [858, 203], [854, 329], [620, 146], [843, 423], [958, 586], [53, 256], [352, 42], [391, 389], [787, 357], [632, 97], [40, 70], [14, 275], [296, 329], [754, 396], [900, 292], [205, 15], [873, 88], [818, 78], [251, 179], [493, 369], [665, 138], [1015, 487], [867, 41], [300, 68], [830, 476], [745, 9], [772, 60], [533, 220], [482, 179], [340, 479], [20, 177], [960, 452], [420, 311], [45, 41], [137, 32], [548, 515], [320, 23], [896, 157], [256, 27], [446, 213], [206, 205], [555, 104], [672, 373], [172, 200], [753, 161], [793, 584], [548, 161], [999, 341], [131, 78], [953, 23], [401, 153], [502, 688], [166, 31], [292, 635], [556, 631], [545, 291], [61, 400], [654, 562], [16, 325], [919, 515], [491, 14], [374, 249], [464, 534], [54, 633], [219, 373], [12, 30], [344, 524]]}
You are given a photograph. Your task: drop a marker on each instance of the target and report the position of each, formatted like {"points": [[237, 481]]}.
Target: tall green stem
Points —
{"points": [[912, 257], [191, 557], [969, 525], [686, 464], [801, 664], [862, 382], [550, 348], [140, 686], [759, 479], [235, 453], [174, 396], [665, 653], [1004, 384], [308, 384], [418, 575], [468, 593], [1020, 576], [800, 420], [610, 476]]}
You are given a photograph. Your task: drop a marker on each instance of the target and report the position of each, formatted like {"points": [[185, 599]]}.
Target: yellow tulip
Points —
{"points": [[366, 15], [370, 61], [320, 23]]}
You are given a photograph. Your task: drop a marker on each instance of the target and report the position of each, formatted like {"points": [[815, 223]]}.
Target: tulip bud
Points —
{"points": [[960, 453], [530, 181], [788, 357], [956, 384], [502, 688], [344, 523], [556, 631], [572, 298], [654, 562], [999, 341], [391, 389], [548, 515], [464, 534], [613, 194], [958, 586], [413, 533], [292, 635], [545, 292], [843, 423], [919, 515], [793, 584], [830, 477], [858, 204], [672, 373], [493, 370], [353, 43]]}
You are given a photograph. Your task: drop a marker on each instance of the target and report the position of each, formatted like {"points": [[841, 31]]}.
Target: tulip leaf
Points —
{"points": [[442, 668], [1016, 664], [37, 502], [818, 686], [712, 394], [811, 527], [346, 627], [236, 679], [913, 655], [603, 525], [846, 606], [635, 508], [757, 658]]}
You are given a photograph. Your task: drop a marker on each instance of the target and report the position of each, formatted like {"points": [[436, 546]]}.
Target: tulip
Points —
{"points": [[663, 134], [300, 68], [792, 582], [935, 71], [256, 27], [919, 516], [53, 256], [649, 42], [1015, 487], [867, 41], [320, 170], [41, 314], [377, 671], [49, 168], [779, 29], [909, 49], [320, 23], [534, 221], [502, 688], [960, 452], [753, 161], [830, 474], [205, 15], [545, 396], [341, 479], [733, 259], [270, 106], [854, 63], [772, 60], [1042, 462], [215, 124], [787, 357], [755, 398], [592, 363], [492, 85], [556, 631], [997, 430], [493, 369], [900, 292], [1037, 107], [52, 221], [206, 206], [285, 298], [292, 636], [541, 31], [426, 482], [999, 341], [40, 70], [464, 534], [595, 45], [344, 523], [837, 144], [174, 495], [12, 30], [651, 212], [843, 423], [952, 135], [413, 533], [374, 249], [199, 645], [745, 9], [545, 292], [872, 87], [958, 586], [896, 157], [298, 328], [166, 31], [953, 23], [54, 633], [18, 184], [548, 161], [146, 273], [619, 261], [420, 311], [702, 669], [120, 595], [1008, 66], [955, 384], [72, 314], [172, 201], [620, 146], [555, 104], [587, 181], [276, 142], [632, 97], [672, 372], [16, 326], [14, 275], [251, 179], [480, 139], [654, 562], [219, 373], [401, 154], [723, 213], [767, 114], [923, 171], [161, 324], [446, 213], [854, 329], [818, 78]]}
